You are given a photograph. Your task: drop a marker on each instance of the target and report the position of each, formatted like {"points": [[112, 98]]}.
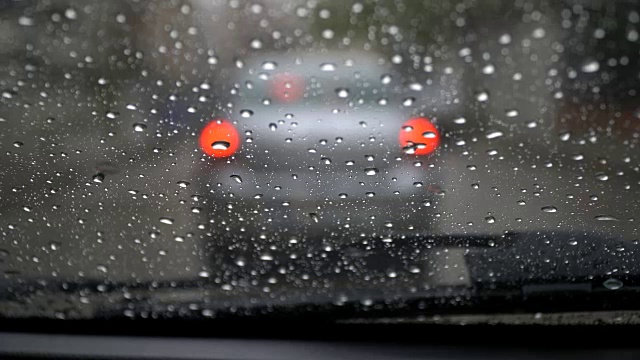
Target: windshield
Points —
{"points": [[235, 158]]}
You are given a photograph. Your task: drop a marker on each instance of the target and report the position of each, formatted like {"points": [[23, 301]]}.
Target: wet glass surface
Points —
{"points": [[194, 157]]}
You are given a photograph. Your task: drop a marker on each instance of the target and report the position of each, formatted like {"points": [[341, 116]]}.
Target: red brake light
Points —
{"points": [[219, 138], [419, 136], [287, 87]]}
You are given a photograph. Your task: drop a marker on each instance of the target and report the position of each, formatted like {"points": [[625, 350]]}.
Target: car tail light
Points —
{"points": [[287, 87], [219, 138], [419, 136]]}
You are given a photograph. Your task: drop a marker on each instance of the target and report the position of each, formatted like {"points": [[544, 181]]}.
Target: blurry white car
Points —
{"points": [[320, 139]]}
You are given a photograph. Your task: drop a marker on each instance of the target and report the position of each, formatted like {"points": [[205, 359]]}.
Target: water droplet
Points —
{"points": [[607, 218], [183, 184], [490, 219], [565, 136], [488, 69], [25, 21], [459, 120], [220, 145], [590, 66], [328, 34], [18, 144], [549, 209], [313, 217], [410, 149], [385, 79], [408, 101], [71, 14], [342, 92], [166, 220], [511, 112], [577, 157], [494, 134], [612, 284], [256, 44], [266, 257], [415, 86], [482, 96], [328, 67], [504, 39], [269, 65], [111, 114], [236, 178], [371, 171], [429, 135], [98, 178], [246, 113], [204, 274], [538, 33], [602, 176], [138, 127]]}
